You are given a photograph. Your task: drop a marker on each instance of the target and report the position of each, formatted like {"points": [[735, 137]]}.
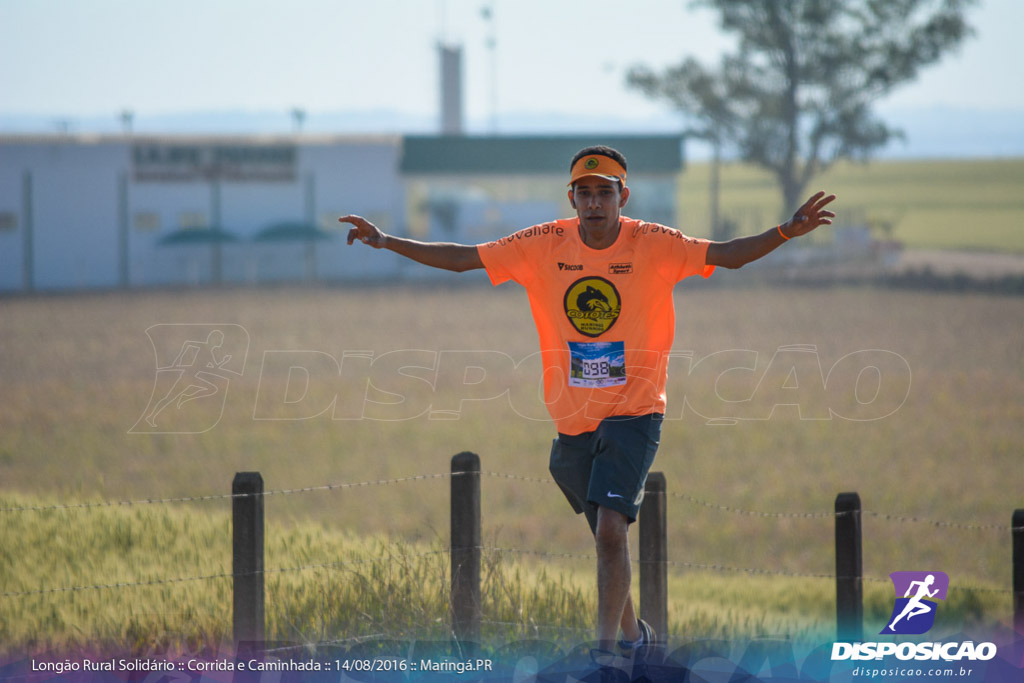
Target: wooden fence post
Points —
{"points": [[247, 558], [465, 548], [654, 556], [849, 569], [1017, 531]]}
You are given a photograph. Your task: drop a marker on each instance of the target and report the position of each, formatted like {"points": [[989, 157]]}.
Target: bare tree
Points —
{"points": [[798, 93]]}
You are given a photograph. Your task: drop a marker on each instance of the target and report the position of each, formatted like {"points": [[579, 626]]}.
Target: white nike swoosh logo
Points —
{"points": [[613, 495]]}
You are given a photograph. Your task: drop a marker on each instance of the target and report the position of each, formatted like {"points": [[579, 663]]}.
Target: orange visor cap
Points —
{"points": [[598, 165]]}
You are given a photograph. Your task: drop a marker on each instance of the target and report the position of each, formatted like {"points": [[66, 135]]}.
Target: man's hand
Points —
{"points": [[740, 251], [809, 216], [364, 231], [456, 257]]}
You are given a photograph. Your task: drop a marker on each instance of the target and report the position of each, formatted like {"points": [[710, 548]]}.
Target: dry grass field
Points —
{"points": [[967, 204], [779, 398]]}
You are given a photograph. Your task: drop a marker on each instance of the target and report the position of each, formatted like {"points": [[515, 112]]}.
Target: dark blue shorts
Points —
{"points": [[608, 466]]}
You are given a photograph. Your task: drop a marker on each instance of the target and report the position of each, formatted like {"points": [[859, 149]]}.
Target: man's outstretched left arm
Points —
{"points": [[739, 252]]}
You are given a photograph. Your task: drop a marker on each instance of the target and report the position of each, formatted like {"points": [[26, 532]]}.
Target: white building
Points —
{"points": [[97, 212], [88, 212]]}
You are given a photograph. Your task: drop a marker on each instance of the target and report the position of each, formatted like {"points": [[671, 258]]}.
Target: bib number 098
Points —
{"points": [[594, 369], [594, 365]]}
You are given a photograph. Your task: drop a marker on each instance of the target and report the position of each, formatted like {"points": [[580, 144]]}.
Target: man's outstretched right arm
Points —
{"points": [[445, 255]]}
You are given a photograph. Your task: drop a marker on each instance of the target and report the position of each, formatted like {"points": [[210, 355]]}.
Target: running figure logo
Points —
{"points": [[914, 613], [194, 366]]}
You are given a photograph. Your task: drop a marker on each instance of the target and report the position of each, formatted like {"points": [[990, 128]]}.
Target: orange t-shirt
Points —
{"points": [[605, 317]]}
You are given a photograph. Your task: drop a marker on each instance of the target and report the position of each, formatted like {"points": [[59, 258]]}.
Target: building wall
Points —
{"points": [[98, 209], [79, 212], [12, 225], [72, 221]]}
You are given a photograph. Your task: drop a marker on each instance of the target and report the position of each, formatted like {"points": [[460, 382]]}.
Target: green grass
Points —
{"points": [[970, 204], [78, 370], [152, 579], [156, 578]]}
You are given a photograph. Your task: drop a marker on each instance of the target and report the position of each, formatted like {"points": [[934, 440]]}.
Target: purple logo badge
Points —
{"points": [[914, 612]]}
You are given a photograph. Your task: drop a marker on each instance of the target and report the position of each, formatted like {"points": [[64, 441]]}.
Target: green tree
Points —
{"points": [[797, 94]]}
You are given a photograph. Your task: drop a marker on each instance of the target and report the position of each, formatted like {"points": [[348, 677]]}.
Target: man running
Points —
{"points": [[916, 605], [196, 363], [600, 289]]}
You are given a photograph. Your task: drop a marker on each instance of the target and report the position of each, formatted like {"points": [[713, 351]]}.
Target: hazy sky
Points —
{"points": [[93, 57]]}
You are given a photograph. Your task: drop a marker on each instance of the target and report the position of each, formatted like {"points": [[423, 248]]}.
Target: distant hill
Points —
{"points": [[939, 132]]}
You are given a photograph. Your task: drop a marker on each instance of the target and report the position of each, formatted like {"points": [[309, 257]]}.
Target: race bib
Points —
{"points": [[597, 364]]}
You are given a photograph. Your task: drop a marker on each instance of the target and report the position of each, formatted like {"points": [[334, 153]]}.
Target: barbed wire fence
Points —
{"points": [[247, 578]]}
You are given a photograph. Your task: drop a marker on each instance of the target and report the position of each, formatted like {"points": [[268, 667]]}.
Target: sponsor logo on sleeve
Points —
{"points": [[655, 228], [534, 231]]}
